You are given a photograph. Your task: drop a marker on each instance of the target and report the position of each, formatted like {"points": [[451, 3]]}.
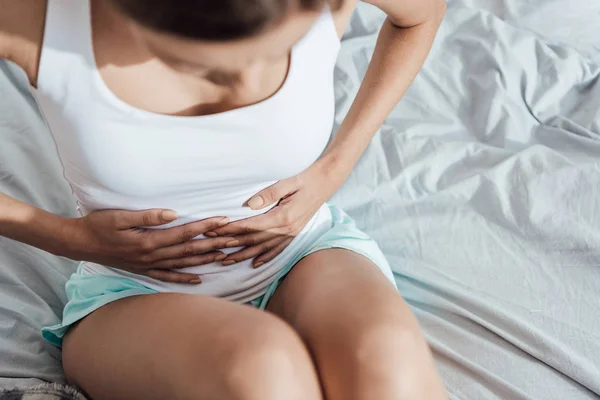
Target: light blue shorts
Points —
{"points": [[86, 293]]}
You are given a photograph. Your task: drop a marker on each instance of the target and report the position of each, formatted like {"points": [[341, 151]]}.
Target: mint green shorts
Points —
{"points": [[87, 293]]}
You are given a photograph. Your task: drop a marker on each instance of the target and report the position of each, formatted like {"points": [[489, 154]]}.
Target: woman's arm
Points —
{"points": [[115, 238], [31, 225], [21, 34], [403, 44]]}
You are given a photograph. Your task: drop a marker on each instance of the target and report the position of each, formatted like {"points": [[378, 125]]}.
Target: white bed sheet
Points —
{"points": [[483, 188]]}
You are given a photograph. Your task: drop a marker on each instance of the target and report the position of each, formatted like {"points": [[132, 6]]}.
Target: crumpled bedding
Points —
{"points": [[482, 188], [31, 281]]}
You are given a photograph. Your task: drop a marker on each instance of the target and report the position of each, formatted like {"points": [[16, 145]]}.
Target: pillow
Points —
{"points": [[31, 281]]}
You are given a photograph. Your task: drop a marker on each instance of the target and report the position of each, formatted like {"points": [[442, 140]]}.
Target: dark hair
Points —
{"points": [[213, 19]]}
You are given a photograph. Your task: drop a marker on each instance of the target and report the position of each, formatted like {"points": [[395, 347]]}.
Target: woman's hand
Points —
{"points": [[299, 198], [114, 238]]}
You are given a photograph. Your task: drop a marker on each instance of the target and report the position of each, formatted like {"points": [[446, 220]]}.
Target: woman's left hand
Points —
{"points": [[299, 198]]}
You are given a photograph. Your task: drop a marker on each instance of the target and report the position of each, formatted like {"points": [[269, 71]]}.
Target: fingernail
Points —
{"points": [[258, 264], [224, 221], [168, 215], [221, 257], [256, 202], [228, 262], [233, 243], [210, 234], [196, 281]]}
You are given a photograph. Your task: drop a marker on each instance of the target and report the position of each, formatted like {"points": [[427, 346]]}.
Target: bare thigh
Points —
{"points": [[177, 346], [362, 335]]}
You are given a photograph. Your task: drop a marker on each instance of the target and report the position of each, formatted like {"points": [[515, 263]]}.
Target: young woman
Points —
{"points": [[194, 134]]}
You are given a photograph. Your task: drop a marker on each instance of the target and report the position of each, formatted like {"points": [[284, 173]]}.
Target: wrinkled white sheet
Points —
{"points": [[483, 189]]}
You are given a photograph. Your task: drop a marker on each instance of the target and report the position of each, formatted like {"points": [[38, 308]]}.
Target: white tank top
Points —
{"points": [[116, 156]]}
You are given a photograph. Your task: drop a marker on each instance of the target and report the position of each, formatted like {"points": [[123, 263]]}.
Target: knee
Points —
{"points": [[397, 357], [268, 362], [387, 344]]}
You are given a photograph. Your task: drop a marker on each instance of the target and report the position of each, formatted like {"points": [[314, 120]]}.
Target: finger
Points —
{"points": [[260, 223], [184, 233], [254, 251], [152, 217], [178, 263], [250, 239], [271, 254], [272, 194], [191, 248], [173, 277]]}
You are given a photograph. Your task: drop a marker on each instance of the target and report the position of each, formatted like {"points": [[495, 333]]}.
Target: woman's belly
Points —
{"points": [[239, 282]]}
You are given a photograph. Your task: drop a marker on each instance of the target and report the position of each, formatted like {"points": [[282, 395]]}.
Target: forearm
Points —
{"points": [[398, 57], [33, 226]]}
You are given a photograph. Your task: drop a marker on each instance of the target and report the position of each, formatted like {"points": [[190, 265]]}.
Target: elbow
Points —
{"points": [[436, 12], [440, 8], [431, 12]]}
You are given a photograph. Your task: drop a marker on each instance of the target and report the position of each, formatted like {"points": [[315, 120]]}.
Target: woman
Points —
{"points": [[194, 135]]}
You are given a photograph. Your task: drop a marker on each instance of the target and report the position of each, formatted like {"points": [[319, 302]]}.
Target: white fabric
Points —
{"points": [[483, 189], [118, 157]]}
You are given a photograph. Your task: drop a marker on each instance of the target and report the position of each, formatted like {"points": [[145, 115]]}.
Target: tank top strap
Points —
{"points": [[321, 40], [66, 47]]}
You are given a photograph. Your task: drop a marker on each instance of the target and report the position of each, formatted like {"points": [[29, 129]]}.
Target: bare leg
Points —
{"points": [[365, 341], [176, 346]]}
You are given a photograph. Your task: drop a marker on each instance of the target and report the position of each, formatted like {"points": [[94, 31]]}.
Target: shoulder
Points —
{"points": [[341, 14], [22, 32]]}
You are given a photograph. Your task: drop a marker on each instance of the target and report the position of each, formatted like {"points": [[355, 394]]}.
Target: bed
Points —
{"points": [[482, 188]]}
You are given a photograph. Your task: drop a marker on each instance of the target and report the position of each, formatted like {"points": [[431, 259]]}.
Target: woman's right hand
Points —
{"points": [[117, 238]]}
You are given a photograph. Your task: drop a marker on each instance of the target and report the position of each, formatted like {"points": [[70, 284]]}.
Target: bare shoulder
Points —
{"points": [[341, 15], [22, 32]]}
